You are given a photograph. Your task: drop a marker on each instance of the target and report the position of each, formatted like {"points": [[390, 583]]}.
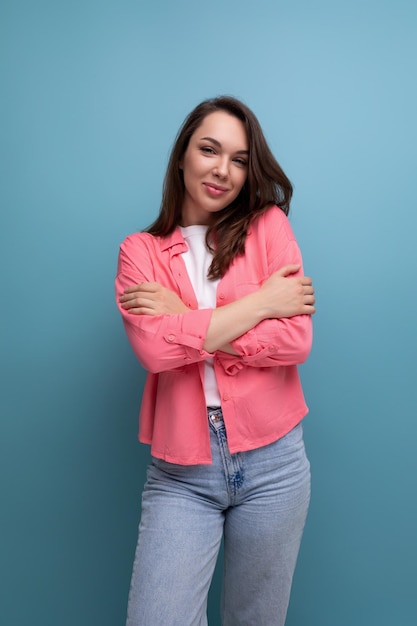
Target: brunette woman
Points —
{"points": [[217, 309]]}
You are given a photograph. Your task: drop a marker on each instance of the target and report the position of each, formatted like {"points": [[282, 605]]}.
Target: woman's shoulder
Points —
{"points": [[139, 245], [272, 222], [274, 214], [153, 244], [139, 238]]}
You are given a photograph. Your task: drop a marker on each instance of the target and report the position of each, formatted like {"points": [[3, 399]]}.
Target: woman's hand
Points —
{"points": [[152, 299], [283, 295]]}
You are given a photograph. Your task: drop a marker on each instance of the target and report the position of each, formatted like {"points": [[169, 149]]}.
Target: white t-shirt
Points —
{"points": [[197, 260]]}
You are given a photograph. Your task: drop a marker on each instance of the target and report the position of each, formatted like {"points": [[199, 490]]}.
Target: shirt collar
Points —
{"points": [[173, 240]]}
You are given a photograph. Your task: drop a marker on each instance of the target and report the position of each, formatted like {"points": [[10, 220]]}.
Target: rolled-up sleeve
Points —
{"points": [[270, 344]]}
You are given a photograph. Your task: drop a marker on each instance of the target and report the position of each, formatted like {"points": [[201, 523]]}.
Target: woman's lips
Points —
{"points": [[215, 190]]}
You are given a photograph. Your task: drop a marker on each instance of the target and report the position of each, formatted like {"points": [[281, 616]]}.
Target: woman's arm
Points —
{"points": [[269, 327], [160, 342], [279, 297], [274, 341]]}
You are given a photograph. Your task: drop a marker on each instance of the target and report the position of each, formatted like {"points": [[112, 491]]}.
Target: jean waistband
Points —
{"points": [[215, 414]]}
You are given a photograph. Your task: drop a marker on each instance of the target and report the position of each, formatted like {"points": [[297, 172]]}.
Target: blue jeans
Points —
{"points": [[256, 500]]}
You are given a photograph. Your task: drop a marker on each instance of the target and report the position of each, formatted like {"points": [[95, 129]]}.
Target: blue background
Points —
{"points": [[92, 95]]}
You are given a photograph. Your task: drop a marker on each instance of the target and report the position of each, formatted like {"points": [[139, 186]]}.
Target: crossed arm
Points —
{"points": [[282, 295]]}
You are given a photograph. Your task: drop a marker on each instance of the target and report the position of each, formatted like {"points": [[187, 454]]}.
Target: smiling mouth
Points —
{"points": [[215, 188]]}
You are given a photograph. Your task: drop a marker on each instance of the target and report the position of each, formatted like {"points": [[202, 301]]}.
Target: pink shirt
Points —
{"points": [[261, 393]]}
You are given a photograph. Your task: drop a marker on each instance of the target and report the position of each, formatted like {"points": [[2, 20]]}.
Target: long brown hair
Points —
{"points": [[266, 184]]}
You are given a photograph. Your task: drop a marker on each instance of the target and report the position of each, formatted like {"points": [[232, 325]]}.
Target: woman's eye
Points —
{"points": [[207, 150], [241, 162]]}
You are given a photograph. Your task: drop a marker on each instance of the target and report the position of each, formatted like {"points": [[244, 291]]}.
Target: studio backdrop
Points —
{"points": [[93, 93]]}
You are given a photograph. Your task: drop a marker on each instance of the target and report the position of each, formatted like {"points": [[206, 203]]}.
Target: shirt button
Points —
{"points": [[226, 396], [171, 337], [271, 348], [221, 296]]}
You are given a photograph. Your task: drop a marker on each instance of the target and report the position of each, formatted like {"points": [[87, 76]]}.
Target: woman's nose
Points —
{"points": [[222, 168]]}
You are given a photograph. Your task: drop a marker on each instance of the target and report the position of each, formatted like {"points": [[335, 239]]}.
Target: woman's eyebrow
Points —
{"points": [[219, 145]]}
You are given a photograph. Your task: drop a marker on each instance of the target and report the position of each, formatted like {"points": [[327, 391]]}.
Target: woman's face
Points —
{"points": [[215, 167]]}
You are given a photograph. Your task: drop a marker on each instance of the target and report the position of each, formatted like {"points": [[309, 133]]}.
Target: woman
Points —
{"points": [[217, 309]]}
